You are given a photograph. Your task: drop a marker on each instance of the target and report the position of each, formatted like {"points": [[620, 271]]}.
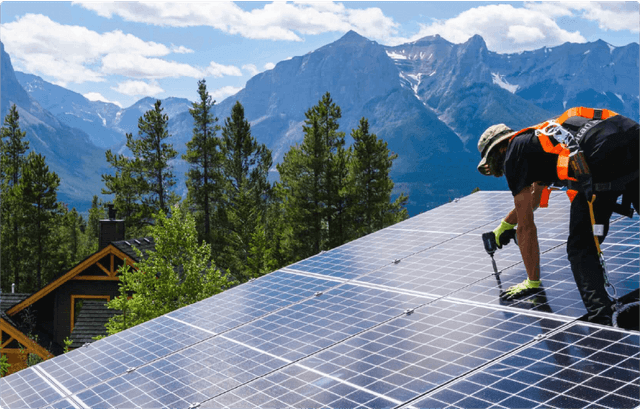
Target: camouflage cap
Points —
{"points": [[489, 139]]}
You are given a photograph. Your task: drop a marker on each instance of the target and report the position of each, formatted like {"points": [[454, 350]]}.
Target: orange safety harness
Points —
{"points": [[561, 149]]}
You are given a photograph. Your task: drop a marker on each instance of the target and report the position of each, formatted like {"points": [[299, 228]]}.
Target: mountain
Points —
{"points": [[96, 118], [69, 151], [429, 99], [471, 87]]}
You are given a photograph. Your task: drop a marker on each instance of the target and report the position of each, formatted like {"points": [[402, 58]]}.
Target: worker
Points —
{"points": [[532, 162]]}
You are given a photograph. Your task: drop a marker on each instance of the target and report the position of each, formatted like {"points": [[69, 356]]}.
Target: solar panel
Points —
{"points": [[28, 388], [251, 300], [581, 366], [369, 253], [395, 362], [405, 317]]}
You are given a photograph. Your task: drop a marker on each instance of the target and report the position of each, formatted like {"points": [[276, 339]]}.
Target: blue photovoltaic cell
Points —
{"points": [[251, 300], [624, 230], [192, 375], [576, 368], [26, 389], [314, 324], [396, 361], [112, 356], [455, 217], [369, 253], [559, 293], [447, 267]]}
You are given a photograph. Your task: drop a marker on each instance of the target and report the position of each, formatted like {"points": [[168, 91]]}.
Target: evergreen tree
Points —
{"points": [[128, 187], [371, 185], [204, 175], [13, 148], [38, 189], [142, 184], [247, 192], [301, 191], [178, 273], [96, 213], [313, 184]]}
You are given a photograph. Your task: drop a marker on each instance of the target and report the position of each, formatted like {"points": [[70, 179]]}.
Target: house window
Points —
{"points": [[76, 305]]}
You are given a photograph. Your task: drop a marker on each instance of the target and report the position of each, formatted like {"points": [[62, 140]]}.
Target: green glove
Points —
{"points": [[527, 287], [504, 226]]}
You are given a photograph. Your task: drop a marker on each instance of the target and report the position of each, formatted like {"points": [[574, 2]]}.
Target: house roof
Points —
{"points": [[90, 322], [144, 244], [78, 269], [8, 300]]}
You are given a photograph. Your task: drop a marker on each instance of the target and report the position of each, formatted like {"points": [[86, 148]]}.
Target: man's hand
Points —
{"points": [[504, 226], [525, 288]]}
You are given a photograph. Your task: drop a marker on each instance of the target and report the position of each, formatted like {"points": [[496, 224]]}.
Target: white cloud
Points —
{"points": [[71, 53], [135, 88], [222, 93], [137, 66], [219, 70], [96, 96], [505, 28], [609, 15], [274, 21], [181, 49], [270, 65], [251, 68]]}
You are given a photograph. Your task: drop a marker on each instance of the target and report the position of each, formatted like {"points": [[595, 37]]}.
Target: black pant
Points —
{"points": [[582, 252]]}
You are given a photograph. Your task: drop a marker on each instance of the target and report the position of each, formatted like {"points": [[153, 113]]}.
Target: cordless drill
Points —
{"points": [[491, 245]]}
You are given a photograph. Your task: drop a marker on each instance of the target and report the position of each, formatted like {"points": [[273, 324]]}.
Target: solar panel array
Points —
{"points": [[405, 317]]}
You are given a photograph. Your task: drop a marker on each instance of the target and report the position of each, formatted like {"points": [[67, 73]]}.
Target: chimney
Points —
{"points": [[111, 229], [13, 288]]}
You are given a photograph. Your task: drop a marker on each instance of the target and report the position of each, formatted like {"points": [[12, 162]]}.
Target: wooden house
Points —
{"points": [[73, 305]]}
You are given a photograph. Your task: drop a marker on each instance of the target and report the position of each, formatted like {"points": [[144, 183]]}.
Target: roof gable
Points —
{"points": [[76, 271]]}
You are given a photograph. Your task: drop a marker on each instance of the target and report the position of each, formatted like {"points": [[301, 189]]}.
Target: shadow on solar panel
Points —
{"points": [[405, 317]]}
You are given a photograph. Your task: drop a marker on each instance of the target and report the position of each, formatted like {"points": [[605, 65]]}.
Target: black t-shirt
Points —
{"points": [[610, 147]]}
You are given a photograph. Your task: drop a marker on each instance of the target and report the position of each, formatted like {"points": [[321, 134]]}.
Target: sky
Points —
{"points": [[121, 52]]}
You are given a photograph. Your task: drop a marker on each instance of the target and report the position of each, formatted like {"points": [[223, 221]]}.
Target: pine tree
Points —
{"points": [[142, 184], [313, 184], [247, 191], [301, 191], [38, 189], [13, 148], [204, 175], [96, 213], [371, 185]]}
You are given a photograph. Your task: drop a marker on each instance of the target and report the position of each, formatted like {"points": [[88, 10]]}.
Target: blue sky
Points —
{"points": [[123, 51]]}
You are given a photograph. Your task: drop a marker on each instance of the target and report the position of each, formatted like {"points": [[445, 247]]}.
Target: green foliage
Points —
{"points": [[371, 185], [204, 177], [13, 148], [96, 213], [247, 192], [178, 273], [328, 194], [142, 184], [38, 191], [4, 365], [477, 189], [67, 343]]}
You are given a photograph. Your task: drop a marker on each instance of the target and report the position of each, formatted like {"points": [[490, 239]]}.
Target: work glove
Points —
{"points": [[508, 228], [525, 288]]}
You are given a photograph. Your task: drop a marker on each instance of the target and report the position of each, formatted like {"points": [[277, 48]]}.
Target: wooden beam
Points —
{"points": [[7, 343], [112, 270], [103, 268], [27, 343]]}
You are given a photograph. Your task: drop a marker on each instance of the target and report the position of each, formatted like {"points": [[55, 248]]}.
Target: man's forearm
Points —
{"points": [[530, 250]]}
